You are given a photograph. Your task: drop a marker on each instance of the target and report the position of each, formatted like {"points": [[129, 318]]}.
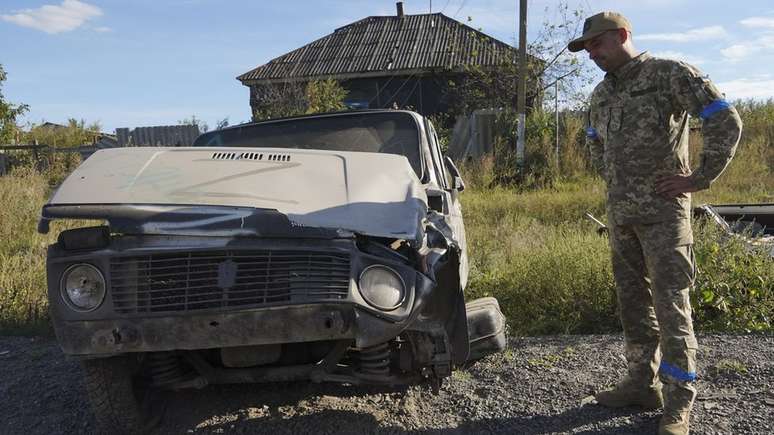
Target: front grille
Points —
{"points": [[189, 281]]}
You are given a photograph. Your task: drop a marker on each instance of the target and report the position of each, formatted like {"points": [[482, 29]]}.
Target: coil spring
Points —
{"points": [[165, 368], [375, 360]]}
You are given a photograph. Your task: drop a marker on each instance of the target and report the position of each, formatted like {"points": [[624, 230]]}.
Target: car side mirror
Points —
{"points": [[457, 183]]}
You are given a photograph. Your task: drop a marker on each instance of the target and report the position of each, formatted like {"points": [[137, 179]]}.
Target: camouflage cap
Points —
{"points": [[598, 24]]}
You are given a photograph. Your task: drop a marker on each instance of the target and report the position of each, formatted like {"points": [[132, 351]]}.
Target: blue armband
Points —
{"points": [[676, 372], [714, 107], [591, 133]]}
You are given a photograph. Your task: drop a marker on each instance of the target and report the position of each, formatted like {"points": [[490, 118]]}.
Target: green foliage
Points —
{"points": [[548, 269], [278, 100], [57, 165], [541, 167], [291, 99], [325, 96], [23, 303], [443, 128], [8, 114], [735, 286]]}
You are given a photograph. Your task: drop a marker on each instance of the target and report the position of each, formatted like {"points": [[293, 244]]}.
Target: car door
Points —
{"points": [[452, 209]]}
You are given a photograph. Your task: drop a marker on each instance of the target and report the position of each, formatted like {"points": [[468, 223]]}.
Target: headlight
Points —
{"points": [[83, 287], [382, 287]]}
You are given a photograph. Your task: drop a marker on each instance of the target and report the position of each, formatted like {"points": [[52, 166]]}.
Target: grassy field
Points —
{"points": [[532, 249], [543, 260]]}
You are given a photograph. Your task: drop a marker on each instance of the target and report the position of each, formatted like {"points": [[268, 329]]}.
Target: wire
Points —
{"points": [[459, 9], [445, 6], [411, 92]]}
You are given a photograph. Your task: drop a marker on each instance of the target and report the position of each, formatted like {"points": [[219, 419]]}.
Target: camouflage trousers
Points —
{"points": [[654, 270]]}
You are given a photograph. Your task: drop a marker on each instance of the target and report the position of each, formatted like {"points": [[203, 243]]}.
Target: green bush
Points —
{"points": [[735, 284]]}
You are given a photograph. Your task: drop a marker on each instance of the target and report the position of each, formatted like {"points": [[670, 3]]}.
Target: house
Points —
{"points": [[404, 61]]}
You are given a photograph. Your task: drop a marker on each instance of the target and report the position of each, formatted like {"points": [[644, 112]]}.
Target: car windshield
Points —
{"points": [[381, 132]]}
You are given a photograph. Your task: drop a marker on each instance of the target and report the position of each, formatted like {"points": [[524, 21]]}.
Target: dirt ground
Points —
{"points": [[539, 385]]}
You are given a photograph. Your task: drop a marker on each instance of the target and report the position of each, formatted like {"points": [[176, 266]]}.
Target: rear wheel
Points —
{"points": [[121, 398]]}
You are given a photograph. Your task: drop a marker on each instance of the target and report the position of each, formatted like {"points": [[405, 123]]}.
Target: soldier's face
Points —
{"points": [[605, 50]]}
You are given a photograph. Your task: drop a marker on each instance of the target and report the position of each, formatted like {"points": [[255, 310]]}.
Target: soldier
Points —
{"points": [[638, 137]]}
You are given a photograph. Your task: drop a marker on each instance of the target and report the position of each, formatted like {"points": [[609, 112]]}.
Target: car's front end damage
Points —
{"points": [[209, 282]]}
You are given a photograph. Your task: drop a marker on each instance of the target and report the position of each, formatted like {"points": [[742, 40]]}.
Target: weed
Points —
{"points": [[730, 366]]}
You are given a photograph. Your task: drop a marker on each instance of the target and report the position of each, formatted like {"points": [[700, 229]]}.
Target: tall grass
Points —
{"points": [[23, 304]]}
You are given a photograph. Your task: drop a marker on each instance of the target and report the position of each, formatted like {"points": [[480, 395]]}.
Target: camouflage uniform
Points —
{"points": [[638, 132]]}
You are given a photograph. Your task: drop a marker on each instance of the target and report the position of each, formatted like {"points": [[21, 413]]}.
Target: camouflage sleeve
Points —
{"points": [[596, 151], [721, 124], [593, 141]]}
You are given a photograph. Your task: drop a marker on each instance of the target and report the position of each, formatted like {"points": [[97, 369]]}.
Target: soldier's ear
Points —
{"points": [[624, 35]]}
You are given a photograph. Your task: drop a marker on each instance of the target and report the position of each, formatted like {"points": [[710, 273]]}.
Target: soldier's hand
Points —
{"points": [[671, 186]]}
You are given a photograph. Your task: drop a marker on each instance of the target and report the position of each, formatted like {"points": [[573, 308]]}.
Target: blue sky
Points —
{"points": [[154, 62]]}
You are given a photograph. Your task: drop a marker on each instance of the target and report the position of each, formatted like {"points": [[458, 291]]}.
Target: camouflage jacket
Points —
{"points": [[638, 132]]}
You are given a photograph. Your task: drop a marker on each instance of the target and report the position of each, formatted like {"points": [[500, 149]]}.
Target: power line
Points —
{"points": [[459, 9], [447, 4]]}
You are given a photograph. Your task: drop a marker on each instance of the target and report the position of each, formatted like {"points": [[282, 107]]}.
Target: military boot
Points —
{"points": [[629, 393], [674, 423], [677, 409]]}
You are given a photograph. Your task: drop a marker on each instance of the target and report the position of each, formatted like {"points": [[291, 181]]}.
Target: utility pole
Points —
{"points": [[556, 119], [521, 89]]}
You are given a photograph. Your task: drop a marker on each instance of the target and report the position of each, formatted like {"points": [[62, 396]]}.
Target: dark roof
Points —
{"points": [[386, 45]]}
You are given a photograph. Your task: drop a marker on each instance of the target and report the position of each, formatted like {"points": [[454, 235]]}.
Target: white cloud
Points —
{"points": [[764, 44], [693, 35], [758, 88], [676, 55], [738, 52], [103, 29], [68, 16], [764, 22]]}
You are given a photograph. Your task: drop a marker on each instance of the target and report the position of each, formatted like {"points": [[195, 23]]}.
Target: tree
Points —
{"points": [[325, 96], [8, 113], [278, 100], [223, 123], [549, 63], [291, 99], [561, 66], [193, 120]]}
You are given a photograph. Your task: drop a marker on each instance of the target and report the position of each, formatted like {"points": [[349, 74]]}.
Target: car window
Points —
{"points": [[390, 133], [435, 150]]}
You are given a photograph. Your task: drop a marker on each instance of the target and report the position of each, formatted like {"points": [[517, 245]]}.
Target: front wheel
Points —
{"points": [[121, 398]]}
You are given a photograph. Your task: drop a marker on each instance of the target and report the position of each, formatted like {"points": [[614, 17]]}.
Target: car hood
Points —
{"points": [[181, 190]]}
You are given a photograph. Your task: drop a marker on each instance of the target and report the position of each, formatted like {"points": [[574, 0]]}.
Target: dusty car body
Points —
{"points": [[322, 248]]}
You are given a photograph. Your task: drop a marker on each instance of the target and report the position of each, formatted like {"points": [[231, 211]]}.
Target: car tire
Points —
{"points": [[122, 401]]}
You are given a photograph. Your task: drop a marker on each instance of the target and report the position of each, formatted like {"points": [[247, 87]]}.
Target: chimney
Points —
{"points": [[399, 5]]}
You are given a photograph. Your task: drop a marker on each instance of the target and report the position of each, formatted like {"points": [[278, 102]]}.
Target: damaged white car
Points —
{"points": [[328, 248]]}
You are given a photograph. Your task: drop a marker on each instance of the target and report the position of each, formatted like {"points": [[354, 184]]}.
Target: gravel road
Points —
{"points": [[539, 385]]}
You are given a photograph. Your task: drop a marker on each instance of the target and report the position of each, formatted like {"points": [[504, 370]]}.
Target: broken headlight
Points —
{"points": [[382, 287], [83, 287]]}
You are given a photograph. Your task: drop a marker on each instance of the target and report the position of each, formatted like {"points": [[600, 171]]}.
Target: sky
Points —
{"points": [[155, 62]]}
